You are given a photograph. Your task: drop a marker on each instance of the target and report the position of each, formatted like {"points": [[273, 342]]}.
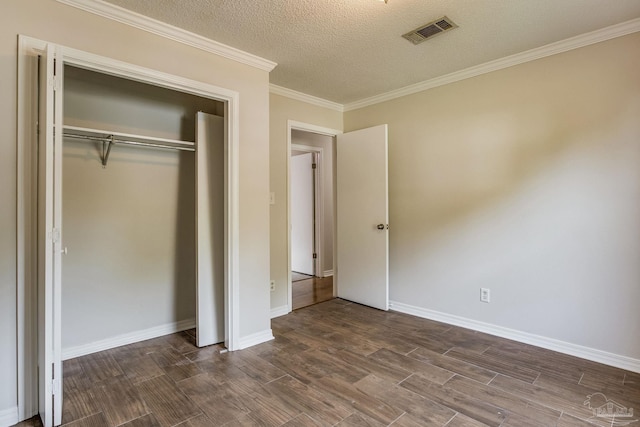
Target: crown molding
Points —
{"points": [[310, 99], [119, 14], [576, 42], [122, 15]]}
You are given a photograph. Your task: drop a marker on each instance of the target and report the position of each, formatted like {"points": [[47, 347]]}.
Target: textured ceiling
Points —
{"points": [[347, 50]]}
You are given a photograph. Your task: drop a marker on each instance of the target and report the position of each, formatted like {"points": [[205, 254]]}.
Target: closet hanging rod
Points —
{"points": [[128, 142], [148, 144], [109, 141]]}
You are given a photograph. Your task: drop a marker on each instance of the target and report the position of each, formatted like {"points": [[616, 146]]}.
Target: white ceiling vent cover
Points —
{"points": [[429, 30]]}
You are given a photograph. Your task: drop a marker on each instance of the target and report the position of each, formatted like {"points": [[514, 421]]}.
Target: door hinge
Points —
{"points": [[55, 235], [315, 256], [314, 165], [54, 387], [55, 82]]}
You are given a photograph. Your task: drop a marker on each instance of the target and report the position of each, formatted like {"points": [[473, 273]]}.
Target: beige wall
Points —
{"points": [[282, 109], [54, 22], [525, 181]]}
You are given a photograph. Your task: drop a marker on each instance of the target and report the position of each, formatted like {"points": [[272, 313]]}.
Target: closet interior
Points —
{"points": [[130, 209]]}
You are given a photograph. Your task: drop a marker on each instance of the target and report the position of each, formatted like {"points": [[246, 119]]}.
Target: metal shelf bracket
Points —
{"points": [[106, 150]]}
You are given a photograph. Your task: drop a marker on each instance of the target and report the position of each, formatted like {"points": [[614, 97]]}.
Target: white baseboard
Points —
{"points": [[255, 339], [327, 273], [9, 417], [618, 361], [280, 311], [128, 338]]}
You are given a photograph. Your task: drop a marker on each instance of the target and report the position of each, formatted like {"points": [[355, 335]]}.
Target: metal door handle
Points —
{"points": [[380, 226]]}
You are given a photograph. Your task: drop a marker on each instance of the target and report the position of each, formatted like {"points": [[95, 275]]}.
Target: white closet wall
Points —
{"points": [[96, 100], [129, 228]]}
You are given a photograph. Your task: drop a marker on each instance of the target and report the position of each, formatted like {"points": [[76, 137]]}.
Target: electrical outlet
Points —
{"points": [[272, 285], [485, 295]]}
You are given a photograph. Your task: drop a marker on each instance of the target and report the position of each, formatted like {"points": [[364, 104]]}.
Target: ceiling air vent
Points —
{"points": [[429, 30]]}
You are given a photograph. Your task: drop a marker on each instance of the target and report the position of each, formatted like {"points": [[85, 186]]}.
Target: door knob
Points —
{"points": [[64, 251], [380, 226]]}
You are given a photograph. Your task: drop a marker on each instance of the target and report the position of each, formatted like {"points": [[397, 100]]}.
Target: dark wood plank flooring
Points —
{"points": [[342, 364]]}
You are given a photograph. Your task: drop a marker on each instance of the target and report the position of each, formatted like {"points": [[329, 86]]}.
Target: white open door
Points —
{"points": [[302, 214], [50, 238], [362, 238], [209, 229]]}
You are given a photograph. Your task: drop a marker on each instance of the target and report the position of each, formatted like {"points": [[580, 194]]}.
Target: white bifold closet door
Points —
{"points": [[210, 223], [50, 238]]}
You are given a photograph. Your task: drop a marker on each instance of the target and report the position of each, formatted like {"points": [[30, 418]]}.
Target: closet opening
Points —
{"points": [[128, 212], [129, 209]]}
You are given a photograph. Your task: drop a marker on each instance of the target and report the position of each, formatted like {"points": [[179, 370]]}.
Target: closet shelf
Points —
{"points": [[109, 139]]}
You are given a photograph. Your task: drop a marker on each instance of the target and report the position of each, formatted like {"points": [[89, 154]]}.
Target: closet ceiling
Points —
{"points": [[348, 50]]}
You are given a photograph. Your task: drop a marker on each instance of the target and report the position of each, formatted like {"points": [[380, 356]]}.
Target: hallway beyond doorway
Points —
{"points": [[296, 277], [311, 291]]}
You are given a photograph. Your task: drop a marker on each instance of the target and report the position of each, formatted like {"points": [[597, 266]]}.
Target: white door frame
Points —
{"points": [[318, 204], [26, 275], [306, 127]]}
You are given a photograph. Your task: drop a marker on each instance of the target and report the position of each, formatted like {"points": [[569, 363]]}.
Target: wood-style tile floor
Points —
{"points": [[338, 363], [295, 276], [311, 291]]}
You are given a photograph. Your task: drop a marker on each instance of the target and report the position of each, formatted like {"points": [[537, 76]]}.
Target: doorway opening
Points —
{"points": [[359, 210], [311, 214]]}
